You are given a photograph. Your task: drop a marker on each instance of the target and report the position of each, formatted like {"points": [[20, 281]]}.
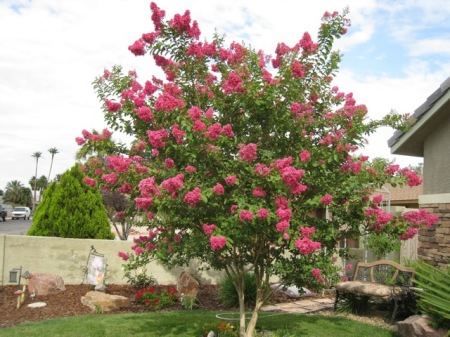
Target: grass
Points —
{"points": [[190, 323]]}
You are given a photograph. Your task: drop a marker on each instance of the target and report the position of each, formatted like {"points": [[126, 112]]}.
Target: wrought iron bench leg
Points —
{"points": [[394, 314], [336, 300]]}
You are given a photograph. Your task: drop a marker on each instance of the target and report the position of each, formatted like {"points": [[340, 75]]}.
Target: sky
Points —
{"points": [[395, 55]]}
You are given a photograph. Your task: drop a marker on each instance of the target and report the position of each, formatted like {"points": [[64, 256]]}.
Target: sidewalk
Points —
{"points": [[302, 306]]}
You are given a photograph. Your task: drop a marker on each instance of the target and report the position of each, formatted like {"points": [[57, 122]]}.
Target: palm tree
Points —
{"points": [[16, 193], [52, 151], [35, 155], [42, 184], [13, 191]]}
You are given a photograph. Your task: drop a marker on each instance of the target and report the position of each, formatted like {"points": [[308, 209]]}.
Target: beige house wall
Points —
{"points": [[68, 258], [437, 160]]}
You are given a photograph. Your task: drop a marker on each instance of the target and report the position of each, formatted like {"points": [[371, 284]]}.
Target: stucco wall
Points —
{"points": [[68, 257], [437, 160]]}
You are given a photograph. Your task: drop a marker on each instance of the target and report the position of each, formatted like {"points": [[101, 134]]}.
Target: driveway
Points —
{"points": [[15, 227]]}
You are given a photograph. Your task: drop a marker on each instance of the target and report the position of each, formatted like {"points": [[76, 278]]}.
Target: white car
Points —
{"points": [[21, 212]]}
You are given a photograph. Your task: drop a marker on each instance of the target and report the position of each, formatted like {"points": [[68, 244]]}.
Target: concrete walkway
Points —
{"points": [[302, 306]]}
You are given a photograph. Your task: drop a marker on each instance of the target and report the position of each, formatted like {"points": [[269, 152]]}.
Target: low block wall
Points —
{"points": [[68, 258]]}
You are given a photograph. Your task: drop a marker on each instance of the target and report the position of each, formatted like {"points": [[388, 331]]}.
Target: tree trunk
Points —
{"points": [[255, 315], [241, 295]]}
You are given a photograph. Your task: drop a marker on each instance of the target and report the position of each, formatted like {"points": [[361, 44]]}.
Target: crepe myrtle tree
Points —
{"points": [[235, 150]]}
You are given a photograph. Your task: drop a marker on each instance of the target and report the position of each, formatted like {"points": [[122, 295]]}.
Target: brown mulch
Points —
{"points": [[68, 303]]}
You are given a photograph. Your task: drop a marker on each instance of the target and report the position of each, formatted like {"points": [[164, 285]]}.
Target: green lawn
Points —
{"points": [[190, 323]]}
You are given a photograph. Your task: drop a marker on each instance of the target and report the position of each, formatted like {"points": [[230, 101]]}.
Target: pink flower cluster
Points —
{"points": [[230, 180], [420, 217], [148, 187], [112, 106], [168, 103], [377, 199], [208, 229], [218, 189], [213, 131], [110, 178], [316, 273], [291, 176], [217, 242], [391, 169], [262, 169], [248, 152], [89, 181], [307, 44], [233, 84], [178, 134], [409, 234], [105, 135], [124, 256], [157, 15], [182, 23], [169, 163], [281, 202], [157, 138], [326, 199], [245, 215], [125, 189], [233, 209], [118, 163], [259, 192], [145, 241], [173, 184], [305, 156], [284, 213], [143, 203], [193, 197], [262, 213], [306, 245], [282, 226], [413, 179], [377, 218], [195, 113], [307, 231], [297, 70], [137, 48], [144, 113]]}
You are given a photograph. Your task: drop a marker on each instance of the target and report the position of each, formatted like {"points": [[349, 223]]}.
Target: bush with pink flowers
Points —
{"points": [[236, 151]]}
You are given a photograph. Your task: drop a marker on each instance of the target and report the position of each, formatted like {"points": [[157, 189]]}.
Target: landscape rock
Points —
{"points": [[292, 291], [41, 284], [97, 300], [100, 287], [37, 305], [187, 285], [417, 326]]}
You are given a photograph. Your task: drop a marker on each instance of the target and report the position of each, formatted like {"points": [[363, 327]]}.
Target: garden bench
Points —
{"points": [[383, 279]]}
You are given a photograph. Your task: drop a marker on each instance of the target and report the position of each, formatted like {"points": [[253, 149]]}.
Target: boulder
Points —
{"points": [[97, 300], [187, 285], [41, 284], [292, 291], [417, 326]]}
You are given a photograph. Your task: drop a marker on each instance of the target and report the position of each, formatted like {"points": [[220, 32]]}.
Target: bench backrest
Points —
{"points": [[383, 271]]}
